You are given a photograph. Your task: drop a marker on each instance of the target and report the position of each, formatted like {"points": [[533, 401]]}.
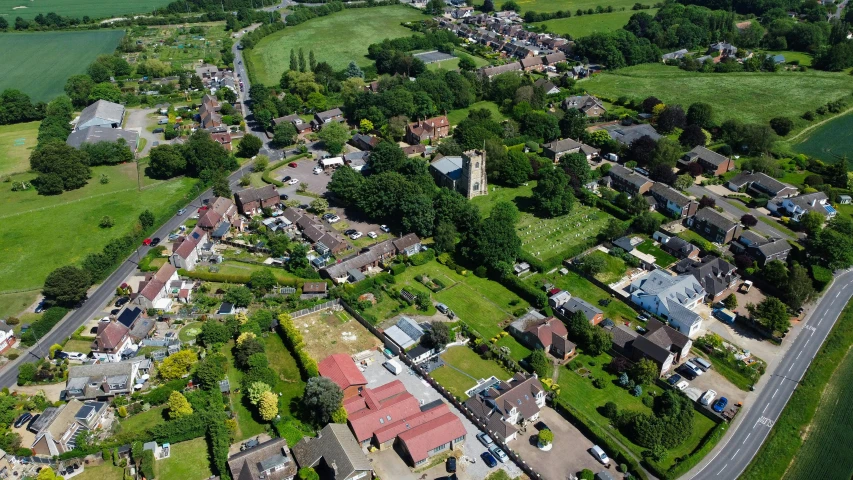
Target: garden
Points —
{"points": [[580, 287], [662, 258], [463, 368], [730, 362]]}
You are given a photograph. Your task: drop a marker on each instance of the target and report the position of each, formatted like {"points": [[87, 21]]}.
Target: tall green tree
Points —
{"points": [[552, 195], [322, 398], [303, 67], [67, 285], [294, 63]]}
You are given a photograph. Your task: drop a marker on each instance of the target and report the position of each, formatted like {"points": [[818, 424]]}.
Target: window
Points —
{"points": [[438, 448], [460, 439], [476, 186]]}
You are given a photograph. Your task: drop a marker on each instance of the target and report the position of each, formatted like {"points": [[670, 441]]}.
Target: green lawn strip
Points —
{"points": [[187, 461], [11, 304], [497, 194], [454, 381], [144, 420], [582, 288], [78, 8], [729, 369], [101, 472], [16, 143], [552, 240], [290, 384], [81, 346], [778, 226], [785, 439], [588, 24], [662, 258], [190, 331], [571, 5], [738, 204], [517, 351], [456, 116], [247, 425]]}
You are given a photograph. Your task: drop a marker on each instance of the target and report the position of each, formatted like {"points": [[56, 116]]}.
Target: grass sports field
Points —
{"points": [[28, 9], [65, 227], [16, 143], [589, 24], [39, 63], [750, 97], [831, 141], [337, 39]]}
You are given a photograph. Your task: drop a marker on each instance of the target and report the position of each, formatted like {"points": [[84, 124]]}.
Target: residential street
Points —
{"points": [[699, 191], [751, 427]]}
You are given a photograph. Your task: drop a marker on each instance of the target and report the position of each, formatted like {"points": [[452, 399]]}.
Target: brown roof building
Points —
{"points": [[270, 460], [342, 370], [430, 129], [251, 200], [501, 408], [373, 408], [548, 334]]}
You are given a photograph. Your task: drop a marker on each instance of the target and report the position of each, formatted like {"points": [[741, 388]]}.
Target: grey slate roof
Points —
{"points": [[97, 134], [774, 247], [451, 167], [671, 194], [335, 445], [715, 218], [766, 181], [628, 175], [627, 134], [713, 273], [709, 156], [576, 304], [101, 112]]}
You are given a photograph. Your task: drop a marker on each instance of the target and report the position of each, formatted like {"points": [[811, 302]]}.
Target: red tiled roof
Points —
{"points": [[152, 288], [340, 369], [376, 407], [184, 293], [165, 273], [547, 329], [423, 438], [210, 219], [389, 432], [185, 248], [111, 336]]}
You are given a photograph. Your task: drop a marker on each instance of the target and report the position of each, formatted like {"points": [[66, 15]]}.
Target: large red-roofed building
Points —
{"points": [[342, 370]]}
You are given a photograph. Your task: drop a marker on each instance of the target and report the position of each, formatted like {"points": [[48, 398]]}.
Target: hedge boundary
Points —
{"points": [[266, 175]]}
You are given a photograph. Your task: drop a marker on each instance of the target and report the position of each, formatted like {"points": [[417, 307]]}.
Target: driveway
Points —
{"points": [[711, 380], [138, 120], [570, 453]]}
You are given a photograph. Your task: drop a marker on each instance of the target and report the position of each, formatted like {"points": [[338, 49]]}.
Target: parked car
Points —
{"points": [[705, 365], [182, 211], [40, 307], [682, 385], [155, 241], [599, 454], [686, 372], [286, 178], [349, 231], [385, 228], [146, 242], [694, 367], [498, 453], [77, 356], [292, 164], [155, 144], [708, 397], [441, 307], [283, 196], [327, 216], [157, 130], [451, 464], [720, 404], [318, 170], [293, 181], [640, 329], [334, 218], [642, 318], [674, 379], [121, 301], [489, 460], [372, 234], [485, 439], [356, 235], [24, 418], [115, 311], [60, 355]]}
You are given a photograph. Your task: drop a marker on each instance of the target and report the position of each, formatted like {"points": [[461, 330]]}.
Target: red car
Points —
{"points": [[146, 242], [292, 164]]}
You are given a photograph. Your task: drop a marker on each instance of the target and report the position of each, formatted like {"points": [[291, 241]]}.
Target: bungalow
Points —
{"points": [[671, 297], [556, 150], [71, 420], [588, 104], [431, 129], [546, 85], [490, 72], [798, 206], [500, 408], [628, 181], [673, 202], [342, 370], [414, 150], [712, 162], [333, 454], [252, 200], [676, 55], [427, 433], [407, 245], [364, 142], [761, 184], [328, 116], [187, 249], [548, 334], [270, 460], [301, 126], [717, 276], [153, 291], [626, 134], [103, 380], [714, 226], [315, 289]]}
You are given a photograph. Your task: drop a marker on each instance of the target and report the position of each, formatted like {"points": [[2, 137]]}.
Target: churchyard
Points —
{"points": [[553, 239]]}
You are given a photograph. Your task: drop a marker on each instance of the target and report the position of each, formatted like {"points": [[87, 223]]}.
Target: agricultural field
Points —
{"points": [[16, 143], [589, 24], [463, 368], [750, 97], [571, 5], [549, 238], [327, 332], [831, 141], [456, 116], [39, 63], [337, 39], [65, 227], [175, 45], [76, 8]]}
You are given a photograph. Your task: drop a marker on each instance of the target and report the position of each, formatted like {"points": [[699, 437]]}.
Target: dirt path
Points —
{"points": [[812, 127]]}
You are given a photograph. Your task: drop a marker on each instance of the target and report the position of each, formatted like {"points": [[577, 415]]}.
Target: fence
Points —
{"points": [[315, 308]]}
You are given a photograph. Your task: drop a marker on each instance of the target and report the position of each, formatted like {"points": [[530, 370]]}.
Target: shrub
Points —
{"points": [[397, 268], [610, 410], [480, 271]]}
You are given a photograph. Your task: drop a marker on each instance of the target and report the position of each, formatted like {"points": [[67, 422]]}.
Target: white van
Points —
{"points": [[599, 454], [393, 367]]}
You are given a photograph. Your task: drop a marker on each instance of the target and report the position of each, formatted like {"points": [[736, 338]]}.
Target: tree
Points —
{"points": [[105, 91], [78, 88], [166, 161], [573, 124], [683, 182], [772, 314], [418, 214], [650, 103], [545, 437], [645, 372], [211, 370], [319, 206], [256, 391], [353, 71], [250, 145], [262, 281], [294, 63], [435, 7], [781, 125], [27, 373], [540, 364], [667, 152], [614, 229], [646, 223], [284, 134], [748, 220], [308, 473], [444, 238], [238, 296], [298, 257], [672, 117], [731, 301], [312, 62], [775, 272], [488, 6], [268, 406], [642, 150], [106, 222], [178, 405], [146, 219], [67, 285], [552, 195], [466, 63], [346, 185], [592, 264], [576, 166], [261, 163], [322, 398], [707, 202], [303, 67], [700, 114], [812, 222], [177, 364], [692, 136], [494, 244], [438, 336], [516, 169], [799, 288], [47, 473], [599, 342], [334, 135]]}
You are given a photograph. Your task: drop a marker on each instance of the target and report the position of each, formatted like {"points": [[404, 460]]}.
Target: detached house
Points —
{"points": [[407, 245], [154, 291], [252, 200], [68, 422], [628, 181], [322, 118], [507, 404], [342, 370], [677, 247], [761, 184], [798, 206], [626, 134], [113, 339], [712, 162], [717, 276], [546, 85], [270, 460], [187, 249], [671, 201], [431, 129], [333, 454], [593, 314], [714, 226], [662, 344], [671, 297], [762, 249], [588, 104], [548, 334], [104, 380], [560, 148]]}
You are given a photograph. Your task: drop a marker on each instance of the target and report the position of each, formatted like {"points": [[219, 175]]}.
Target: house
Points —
{"points": [[96, 134], [187, 250], [208, 114], [222, 138], [662, 344], [465, 174], [414, 150], [322, 118], [626, 134], [301, 126], [761, 184], [427, 433], [153, 291], [269, 460], [373, 408], [315, 289], [364, 142], [112, 341], [407, 245], [129, 316], [718, 277], [712, 162], [7, 336], [430, 130], [557, 299], [333, 454], [342, 370], [671, 201], [554, 58], [714, 226], [490, 72], [798, 206], [71, 420], [676, 55], [588, 104], [722, 50], [251, 200], [672, 298], [101, 114], [406, 333], [844, 199], [531, 64], [351, 269], [548, 334], [546, 85], [630, 243], [575, 304], [677, 247], [556, 150], [761, 249], [503, 406], [628, 181], [103, 380]]}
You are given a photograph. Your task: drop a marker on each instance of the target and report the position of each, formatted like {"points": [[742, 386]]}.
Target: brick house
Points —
{"points": [[558, 149], [588, 104], [718, 277], [252, 200], [712, 162], [341, 369], [548, 334], [430, 129], [628, 181], [714, 226], [501, 408], [670, 200]]}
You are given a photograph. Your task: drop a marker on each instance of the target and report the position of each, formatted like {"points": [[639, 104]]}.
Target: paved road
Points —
{"points": [[100, 295], [753, 425], [765, 229]]}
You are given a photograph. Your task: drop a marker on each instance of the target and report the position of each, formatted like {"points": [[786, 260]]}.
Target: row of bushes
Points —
{"points": [[293, 338], [40, 327], [234, 278], [266, 175], [708, 443]]}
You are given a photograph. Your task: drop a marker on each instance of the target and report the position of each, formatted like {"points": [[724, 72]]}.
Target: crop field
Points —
{"points": [[180, 48], [749, 97], [571, 5], [327, 333], [337, 39], [546, 238], [39, 63], [16, 143], [65, 227], [589, 24], [831, 141], [28, 9], [823, 454]]}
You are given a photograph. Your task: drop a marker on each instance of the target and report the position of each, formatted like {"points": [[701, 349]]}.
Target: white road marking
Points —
{"points": [[747, 437], [733, 456], [721, 470], [798, 355], [792, 366], [774, 393], [765, 408]]}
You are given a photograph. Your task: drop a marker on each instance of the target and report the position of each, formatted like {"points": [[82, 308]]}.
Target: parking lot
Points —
{"points": [[711, 380], [389, 464]]}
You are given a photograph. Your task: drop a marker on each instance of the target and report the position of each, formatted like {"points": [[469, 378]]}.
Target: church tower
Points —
{"points": [[473, 181]]}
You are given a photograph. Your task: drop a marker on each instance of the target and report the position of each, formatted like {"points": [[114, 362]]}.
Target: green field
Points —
{"points": [[16, 143], [750, 97], [662, 258], [456, 116], [831, 141], [472, 367], [184, 50], [28, 9], [187, 461], [453, 63], [105, 471], [337, 39], [39, 63], [572, 5], [548, 239], [614, 268], [41, 233], [589, 24]]}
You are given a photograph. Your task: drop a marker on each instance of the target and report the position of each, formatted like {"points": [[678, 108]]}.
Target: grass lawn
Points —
{"points": [[144, 420], [572, 5], [473, 366], [829, 142], [184, 48], [551, 240], [517, 351], [662, 258], [589, 24], [81, 346], [16, 143], [778, 226], [582, 288], [230, 267], [190, 331], [11, 304], [247, 425], [804, 58], [456, 116], [751, 97], [187, 461], [102, 472], [520, 196], [453, 63], [614, 268], [338, 39], [289, 386], [76, 8], [39, 63]]}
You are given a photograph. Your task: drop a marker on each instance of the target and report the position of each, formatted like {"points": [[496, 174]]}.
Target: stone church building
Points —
{"points": [[465, 174]]}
